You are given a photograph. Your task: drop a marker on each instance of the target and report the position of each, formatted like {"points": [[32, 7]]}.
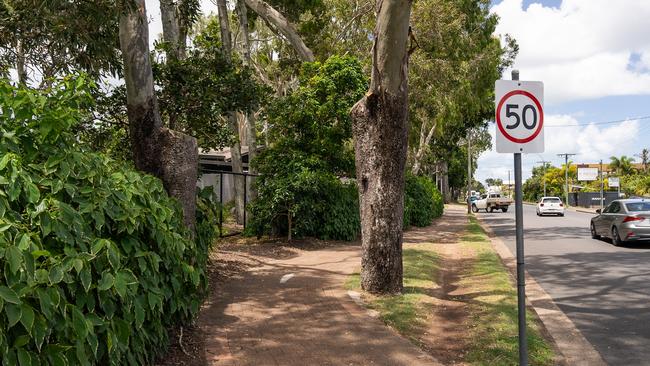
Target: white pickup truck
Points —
{"points": [[490, 202]]}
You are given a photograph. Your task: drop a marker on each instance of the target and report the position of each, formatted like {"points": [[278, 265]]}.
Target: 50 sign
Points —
{"points": [[519, 116], [518, 119]]}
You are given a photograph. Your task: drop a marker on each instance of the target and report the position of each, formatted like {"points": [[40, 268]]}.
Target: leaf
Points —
{"points": [[9, 295], [15, 258], [79, 323], [56, 274], [4, 161], [27, 318], [33, 194], [120, 285], [24, 242], [41, 275], [23, 357], [14, 313], [4, 227], [113, 256], [139, 315], [86, 278], [106, 282], [39, 332], [78, 264]]}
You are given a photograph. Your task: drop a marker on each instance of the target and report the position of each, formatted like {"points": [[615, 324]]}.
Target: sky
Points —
{"points": [[593, 57]]}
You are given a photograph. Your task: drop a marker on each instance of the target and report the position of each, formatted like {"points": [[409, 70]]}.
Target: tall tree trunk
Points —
{"points": [[425, 139], [169, 155], [249, 118], [280, 24], [380, 133], [20, 63], [235, 148], [171, 27]]}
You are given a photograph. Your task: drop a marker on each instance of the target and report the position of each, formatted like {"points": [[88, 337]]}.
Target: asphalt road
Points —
{"points": [[603, 289]]}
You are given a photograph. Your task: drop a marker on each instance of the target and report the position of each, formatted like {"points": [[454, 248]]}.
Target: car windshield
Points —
{"points": [[551, 200], [638, 206]]}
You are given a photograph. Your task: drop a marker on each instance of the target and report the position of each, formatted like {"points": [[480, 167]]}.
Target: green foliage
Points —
{"points": [[299, 172], [58, 37], [96, 260], [196, 92], [422, 201]]}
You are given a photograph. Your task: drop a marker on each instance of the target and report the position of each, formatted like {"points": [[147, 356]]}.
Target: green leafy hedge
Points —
{"points": [[422, 201], [96, 262]]}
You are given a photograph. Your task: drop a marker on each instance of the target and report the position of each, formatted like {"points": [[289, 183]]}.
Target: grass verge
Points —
{"points": [[408, 312], [493, 319], [491, 300]]}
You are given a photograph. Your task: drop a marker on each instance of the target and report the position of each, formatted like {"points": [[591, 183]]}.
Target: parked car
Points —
{"points": [[490, 202], [550, 206], [623, 221]]}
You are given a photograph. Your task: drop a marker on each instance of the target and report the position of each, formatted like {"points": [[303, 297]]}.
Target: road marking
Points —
{"points": [[286, 277]]}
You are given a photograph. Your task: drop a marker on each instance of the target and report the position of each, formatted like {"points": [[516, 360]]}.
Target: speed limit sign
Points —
{"points": [[519, 116]]}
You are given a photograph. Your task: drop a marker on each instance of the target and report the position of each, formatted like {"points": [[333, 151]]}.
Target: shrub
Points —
{"points": [[422, 201], [97, 263], [320, 205], [311, 130]]}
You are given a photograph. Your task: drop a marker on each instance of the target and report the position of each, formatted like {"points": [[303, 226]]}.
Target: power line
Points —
{"points": [[603, 123]]}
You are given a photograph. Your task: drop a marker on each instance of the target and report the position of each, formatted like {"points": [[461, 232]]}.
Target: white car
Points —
{"points": [[550, 206]]}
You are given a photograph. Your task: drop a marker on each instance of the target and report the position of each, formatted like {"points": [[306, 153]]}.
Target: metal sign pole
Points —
{"points": [[521, 279]]}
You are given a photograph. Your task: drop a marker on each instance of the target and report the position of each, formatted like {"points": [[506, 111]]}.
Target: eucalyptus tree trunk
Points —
{"points": [[169, 155], [171, 27], [249, 118], [380, 133], [280, 24], [425, 139], [235, 148], [20, 63]]}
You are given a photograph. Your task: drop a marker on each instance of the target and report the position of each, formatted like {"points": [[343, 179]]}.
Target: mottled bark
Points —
{"points": [[381, 131], [235, 148], [425, 139], [169, 155], [20, 64], [280, 24], [171, 27], [249, 118]]}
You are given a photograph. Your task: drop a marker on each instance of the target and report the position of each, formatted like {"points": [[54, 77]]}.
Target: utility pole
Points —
{"points": [[601, 185], [469, 172], [544, 162], [566, 176], [509, 193]]}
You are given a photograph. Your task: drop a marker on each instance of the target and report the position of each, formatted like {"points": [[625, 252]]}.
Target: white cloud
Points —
{"points": [[582, 49], [562, 134]]}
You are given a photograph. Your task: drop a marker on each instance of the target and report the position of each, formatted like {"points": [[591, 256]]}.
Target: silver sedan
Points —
{"points": [[623, 221]]}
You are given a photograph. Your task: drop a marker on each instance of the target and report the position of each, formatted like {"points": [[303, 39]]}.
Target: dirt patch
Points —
{"points": [[234, 256]]}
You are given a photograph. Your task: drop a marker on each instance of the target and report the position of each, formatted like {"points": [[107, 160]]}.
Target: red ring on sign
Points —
{"points": [[539, 108]]}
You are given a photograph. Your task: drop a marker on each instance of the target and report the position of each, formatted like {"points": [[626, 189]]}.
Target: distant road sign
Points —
{"points": [[613, 182], [519, 116], [587, 174]]}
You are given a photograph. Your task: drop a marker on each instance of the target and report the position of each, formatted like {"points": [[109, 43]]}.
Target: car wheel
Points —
{"points": [[561, 215], [474, 209], [594, 233], [616, 239], [487, 210], [505, 209]]}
